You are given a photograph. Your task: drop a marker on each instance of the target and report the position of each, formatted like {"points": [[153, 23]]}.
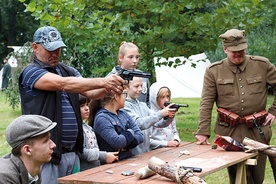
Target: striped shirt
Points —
{"points": [[69, 122]]}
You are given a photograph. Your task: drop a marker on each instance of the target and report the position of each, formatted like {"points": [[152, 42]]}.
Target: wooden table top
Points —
{"points": [[203, 156]]}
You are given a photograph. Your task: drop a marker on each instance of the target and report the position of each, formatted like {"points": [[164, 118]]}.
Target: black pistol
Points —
{"points": [[176, 106], [194, 169], [129, 74]]}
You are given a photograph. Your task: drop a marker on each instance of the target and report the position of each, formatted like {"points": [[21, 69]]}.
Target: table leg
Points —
{"points": [[241, 173]]}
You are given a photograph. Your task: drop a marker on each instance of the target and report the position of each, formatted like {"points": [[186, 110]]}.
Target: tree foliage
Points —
{"points": [[93, 30], [23, 56], [16, 26], [260, 39]]}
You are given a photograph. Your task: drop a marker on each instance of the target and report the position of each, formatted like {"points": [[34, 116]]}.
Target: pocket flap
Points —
{"points": [[225, 81], [254, 80]]}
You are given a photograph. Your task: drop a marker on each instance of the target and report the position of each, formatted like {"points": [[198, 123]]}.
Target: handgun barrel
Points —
{"points": [[194, 169], [131, 73], [142, 74], [183, 105], [176, 105]]}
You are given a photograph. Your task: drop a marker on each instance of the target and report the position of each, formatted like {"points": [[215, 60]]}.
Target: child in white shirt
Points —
{"points": [[167, 136]]}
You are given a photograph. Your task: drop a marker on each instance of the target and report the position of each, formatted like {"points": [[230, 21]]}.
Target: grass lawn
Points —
{"points": [[186, 123], [7, 115]]}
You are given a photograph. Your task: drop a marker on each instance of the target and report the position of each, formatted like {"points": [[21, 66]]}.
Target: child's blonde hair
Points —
{"points": [[162, 91], [123, 48]]}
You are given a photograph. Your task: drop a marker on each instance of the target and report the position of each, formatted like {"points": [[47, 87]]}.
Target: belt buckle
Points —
{"points": [[222, 123]]}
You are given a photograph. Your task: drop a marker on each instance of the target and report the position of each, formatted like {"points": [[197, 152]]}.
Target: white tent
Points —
{"points": [[184, 81]]}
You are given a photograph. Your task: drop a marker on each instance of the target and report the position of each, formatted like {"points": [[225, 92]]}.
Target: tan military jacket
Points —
{"points": [[242, 90]]}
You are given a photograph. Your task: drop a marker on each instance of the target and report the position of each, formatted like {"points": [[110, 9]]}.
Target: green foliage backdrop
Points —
{"points": [[93, 30], [16, 26]]}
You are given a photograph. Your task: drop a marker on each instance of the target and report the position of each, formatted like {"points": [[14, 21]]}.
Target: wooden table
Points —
{"points": [[203, 156]]}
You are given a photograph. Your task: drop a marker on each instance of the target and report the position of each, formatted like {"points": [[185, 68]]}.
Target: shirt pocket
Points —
{"points": [[225, 87], [255, 84]]}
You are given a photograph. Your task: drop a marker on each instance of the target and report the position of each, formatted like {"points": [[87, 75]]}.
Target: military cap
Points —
{"points": [[27, 126], [234, 40]]}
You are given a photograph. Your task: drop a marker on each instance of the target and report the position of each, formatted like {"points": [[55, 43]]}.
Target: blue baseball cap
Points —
{"points": [[49, 38]]}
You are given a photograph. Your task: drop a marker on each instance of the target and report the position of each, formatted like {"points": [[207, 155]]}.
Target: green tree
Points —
{"points": [[93, 30], [23, 57], [260, 39], [16, 26]]}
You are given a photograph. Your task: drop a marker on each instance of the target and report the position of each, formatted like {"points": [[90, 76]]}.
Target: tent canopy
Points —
{"points": [[185, 80]]}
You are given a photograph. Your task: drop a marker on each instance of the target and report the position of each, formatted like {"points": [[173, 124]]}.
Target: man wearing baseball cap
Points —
{"points": [[50, 88], [29, 137], [239, 84]]}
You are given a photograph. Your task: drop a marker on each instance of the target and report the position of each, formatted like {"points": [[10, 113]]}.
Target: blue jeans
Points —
{"points": [[69, 164]]}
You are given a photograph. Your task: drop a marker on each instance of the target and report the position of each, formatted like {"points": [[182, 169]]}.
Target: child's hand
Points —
{"points": [[167, 111], [173, 143], [172, 112], [111, 157]]}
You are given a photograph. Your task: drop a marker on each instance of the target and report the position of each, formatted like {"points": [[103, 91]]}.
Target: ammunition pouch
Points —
{"points": [[259, 117], [228, 116], [233, 119]]}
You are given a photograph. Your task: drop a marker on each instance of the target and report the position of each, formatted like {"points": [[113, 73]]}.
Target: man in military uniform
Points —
{"points": [[238, 84]]}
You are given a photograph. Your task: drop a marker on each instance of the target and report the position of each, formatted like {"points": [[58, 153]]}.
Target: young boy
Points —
{"points": [[29, 137], [143, 116], [92, 156], [162, 137]]}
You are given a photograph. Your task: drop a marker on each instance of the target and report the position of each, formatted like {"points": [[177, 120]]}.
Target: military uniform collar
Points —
{"points": [[235, 68], [244, 63]]}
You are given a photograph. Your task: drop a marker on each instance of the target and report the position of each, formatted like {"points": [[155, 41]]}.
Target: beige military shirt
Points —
{"points": [[241, 89]]}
